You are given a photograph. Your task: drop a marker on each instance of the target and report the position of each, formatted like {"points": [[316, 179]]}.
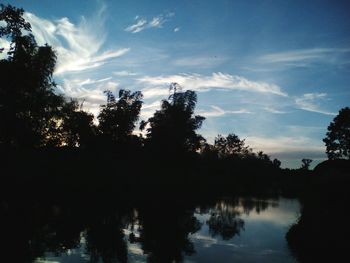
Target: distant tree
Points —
{"points": [[305, 164], [231, 145], [338, 136], [29, 106], [208, 151], [263, 156], [276, 163], [173, 127], [78, 128], [118, 118]]}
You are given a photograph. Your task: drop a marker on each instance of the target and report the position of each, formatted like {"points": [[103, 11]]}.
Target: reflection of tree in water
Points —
{"points": [[224, 224], [36, 230], [224, 220], [162, 230], [225, 217], [164, 233], [105, 240], [258, 205], [41, 229]]}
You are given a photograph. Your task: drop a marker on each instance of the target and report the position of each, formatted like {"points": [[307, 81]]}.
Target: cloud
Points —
{"points": [[177, 29], [124, 73], [78, 46], [81, 90], [142, 24], [148, 110], [311, 102], [218, 112], [155, 92], [5, 47], [202, 62], [287, 147], [303, 56], [202, 83], [273, 110]]}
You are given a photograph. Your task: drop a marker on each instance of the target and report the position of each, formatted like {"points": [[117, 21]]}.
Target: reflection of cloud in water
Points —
{"points": [[134, 249], [208, 241]]}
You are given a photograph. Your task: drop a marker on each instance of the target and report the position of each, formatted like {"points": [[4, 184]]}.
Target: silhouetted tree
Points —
{"points": [[118, 117], [263, 157], [208, 151], [305, 164], [276, 163], [78, 128], [231, 146], [29, 106], [173, 127], [338, 136]]}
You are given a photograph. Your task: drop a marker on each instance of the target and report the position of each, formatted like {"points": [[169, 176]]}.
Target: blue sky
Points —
{"points": [[273, 72]]}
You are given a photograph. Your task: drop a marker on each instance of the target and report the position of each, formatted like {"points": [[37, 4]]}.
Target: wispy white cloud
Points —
{"points": [[124, 73], [155, 92], [203, 83], [298, 57], [311, 102], [218, 112], [287, 147], [142, 23], [81, 89], [203, 62], [148, 109], [273, 110], [78, 46]]}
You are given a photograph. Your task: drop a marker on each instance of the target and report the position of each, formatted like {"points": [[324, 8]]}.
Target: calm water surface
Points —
{"points": [[239, 230]]}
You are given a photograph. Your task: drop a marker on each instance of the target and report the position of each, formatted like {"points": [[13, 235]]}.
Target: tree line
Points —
{"points": [[35, 116]]}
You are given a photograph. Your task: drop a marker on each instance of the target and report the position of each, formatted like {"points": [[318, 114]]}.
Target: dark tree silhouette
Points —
{"points": [[118, 117], [305, 164], [78, 129], [263, 157], [173, 127], [15, 23], [230, 146], [276, 163], [338, 136], [29, 106]]}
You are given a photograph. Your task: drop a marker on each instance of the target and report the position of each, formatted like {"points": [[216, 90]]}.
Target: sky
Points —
{"points": [[273, 72]]}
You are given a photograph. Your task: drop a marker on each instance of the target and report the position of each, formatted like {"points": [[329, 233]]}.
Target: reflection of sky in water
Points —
{"points": [[262, 239]]}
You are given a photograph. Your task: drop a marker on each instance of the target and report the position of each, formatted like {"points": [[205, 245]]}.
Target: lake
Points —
{"points": [[226, 230]]}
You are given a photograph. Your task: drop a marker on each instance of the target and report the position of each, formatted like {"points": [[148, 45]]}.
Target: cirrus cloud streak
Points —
{"points": [[202, 83]]}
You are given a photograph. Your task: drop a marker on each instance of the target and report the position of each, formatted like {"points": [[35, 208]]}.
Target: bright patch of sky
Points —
{"points": [[273, 72]]}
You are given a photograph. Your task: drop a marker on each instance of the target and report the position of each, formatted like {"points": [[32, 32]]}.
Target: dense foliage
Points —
{"points": [[338, 136]]}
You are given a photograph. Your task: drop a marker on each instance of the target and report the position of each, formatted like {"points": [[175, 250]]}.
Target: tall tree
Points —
{"points": [[173, 127], [337, 139], [78, 129], [118, 118], [29, 106]]}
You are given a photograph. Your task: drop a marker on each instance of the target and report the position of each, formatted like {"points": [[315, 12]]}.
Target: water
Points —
{"points": [[228, 230]]}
